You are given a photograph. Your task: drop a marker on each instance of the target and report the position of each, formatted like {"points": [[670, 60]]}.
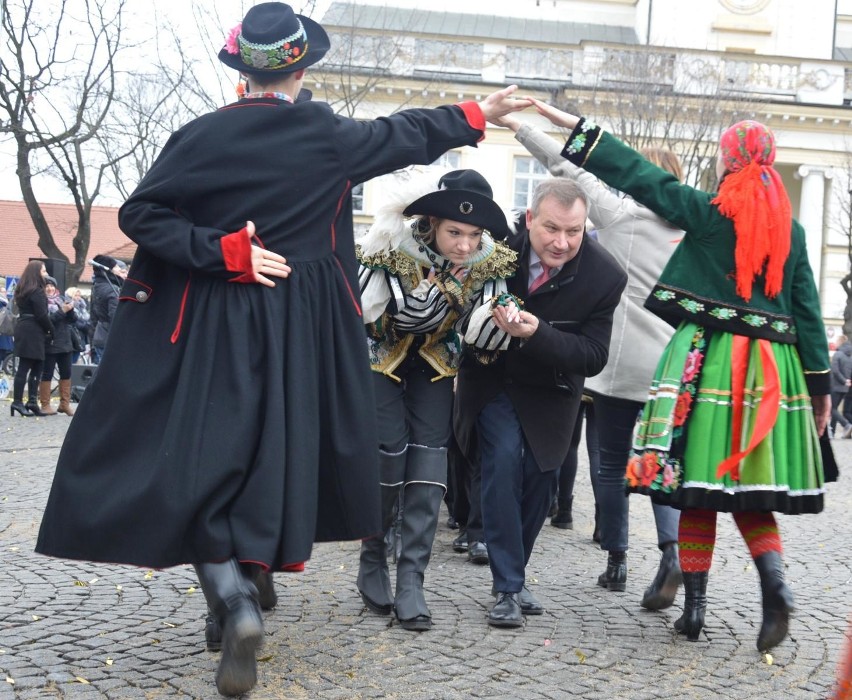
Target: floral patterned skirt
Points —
{"points": [[728, 426]]}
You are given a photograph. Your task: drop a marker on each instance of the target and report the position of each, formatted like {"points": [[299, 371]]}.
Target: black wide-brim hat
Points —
{"points": [[274, 39], [464, 196]]}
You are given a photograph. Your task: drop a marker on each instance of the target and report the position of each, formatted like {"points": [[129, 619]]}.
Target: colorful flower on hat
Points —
{"points": [[232, 42]]}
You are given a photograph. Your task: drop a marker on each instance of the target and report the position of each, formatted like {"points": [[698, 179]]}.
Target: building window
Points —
{"points": [[358, 197], [450, 160], [528, 173]]}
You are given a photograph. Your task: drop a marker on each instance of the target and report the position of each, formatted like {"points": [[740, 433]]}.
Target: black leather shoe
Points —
{"points": [[478, 553], [460, 543], [529, 603], [563, 519], [506, 611], [615, 576]]}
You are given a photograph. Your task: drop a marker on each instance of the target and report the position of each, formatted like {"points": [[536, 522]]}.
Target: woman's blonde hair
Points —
{"points": [[665, 159], [71, 291], [427, 228]]}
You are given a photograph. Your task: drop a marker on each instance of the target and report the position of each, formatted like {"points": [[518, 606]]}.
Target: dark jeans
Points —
{"points": [[61, 360], [617, 418], [516, 494], [836, 416], [568, 470], [466, 501]]}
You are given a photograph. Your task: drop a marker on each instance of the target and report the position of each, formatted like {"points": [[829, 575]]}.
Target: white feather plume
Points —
{"points": [[389, 226]]}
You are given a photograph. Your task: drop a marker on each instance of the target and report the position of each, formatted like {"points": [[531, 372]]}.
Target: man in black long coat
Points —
{"points": [[226, 424], [520, 409]]}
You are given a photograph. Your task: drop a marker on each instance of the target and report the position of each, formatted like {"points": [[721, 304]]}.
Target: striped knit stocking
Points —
{"points": [[760, 532], [696, 539]]}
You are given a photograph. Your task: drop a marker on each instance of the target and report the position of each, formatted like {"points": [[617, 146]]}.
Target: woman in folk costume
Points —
{"points": [[740, 394], [419, 282]]}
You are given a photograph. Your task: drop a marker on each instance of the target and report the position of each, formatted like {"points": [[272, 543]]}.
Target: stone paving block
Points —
{"points": [[321, 643]]}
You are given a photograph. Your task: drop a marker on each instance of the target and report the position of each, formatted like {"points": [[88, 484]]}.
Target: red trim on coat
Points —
{"points": [[141, 284], [349, 287], [475, 117], [236, 252], [179, 324], [337, 214]]}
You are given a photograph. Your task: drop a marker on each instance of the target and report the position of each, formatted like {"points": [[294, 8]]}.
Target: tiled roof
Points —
{"points": [[19, 241], [467, 25]]}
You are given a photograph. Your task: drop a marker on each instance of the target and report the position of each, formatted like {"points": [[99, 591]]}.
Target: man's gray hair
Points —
{"points": [[562, 189]]}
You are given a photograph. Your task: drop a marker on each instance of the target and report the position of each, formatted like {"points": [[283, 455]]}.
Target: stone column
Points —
{"points": [[812, 214]]}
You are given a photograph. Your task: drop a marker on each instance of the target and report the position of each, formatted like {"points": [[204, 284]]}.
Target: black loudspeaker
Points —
{"points": [[81, 375], [57, 270]]}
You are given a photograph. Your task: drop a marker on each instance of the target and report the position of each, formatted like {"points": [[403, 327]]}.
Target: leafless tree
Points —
{"points": [[59, 86], [650, 96]]}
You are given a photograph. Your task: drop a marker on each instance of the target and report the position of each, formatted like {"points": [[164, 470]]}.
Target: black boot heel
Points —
{"points": [[663, 589], [20, 408], [694, 606], [777, 601]]}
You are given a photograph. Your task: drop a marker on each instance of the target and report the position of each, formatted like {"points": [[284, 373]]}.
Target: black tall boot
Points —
{"points": [[233, 598], [563, 518], [615, 576], [426, 470], [267, 598], [32, 396], [663, 589], [694, 604], [373, 582], [777, 601]]}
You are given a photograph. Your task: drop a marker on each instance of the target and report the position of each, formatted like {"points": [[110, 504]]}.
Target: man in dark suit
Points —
{"points": [[520, 409]]}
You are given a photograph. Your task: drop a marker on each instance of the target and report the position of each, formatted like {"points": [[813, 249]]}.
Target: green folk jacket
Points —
{"points": [[698, 283]]}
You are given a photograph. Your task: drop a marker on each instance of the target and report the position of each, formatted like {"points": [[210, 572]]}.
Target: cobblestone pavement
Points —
{"points": [[82, 630]]}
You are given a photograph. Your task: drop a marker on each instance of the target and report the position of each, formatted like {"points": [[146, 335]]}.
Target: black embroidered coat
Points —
{"points": [[228, 419]]}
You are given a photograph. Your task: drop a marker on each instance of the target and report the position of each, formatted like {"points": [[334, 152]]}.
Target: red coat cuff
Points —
{"points": [[474, 116], [236, 251]]}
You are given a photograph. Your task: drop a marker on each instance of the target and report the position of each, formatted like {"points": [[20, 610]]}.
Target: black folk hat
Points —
{"points": [[274, 39], [464, 196]]}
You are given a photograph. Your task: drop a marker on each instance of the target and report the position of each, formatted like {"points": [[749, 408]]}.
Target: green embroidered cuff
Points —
{"points": [[581, 142]]}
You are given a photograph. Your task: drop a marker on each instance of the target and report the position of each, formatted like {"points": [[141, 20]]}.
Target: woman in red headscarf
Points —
{"points": [[740, 394]]}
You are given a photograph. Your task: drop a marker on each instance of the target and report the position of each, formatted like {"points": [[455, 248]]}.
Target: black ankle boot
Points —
{"points": [[663, 589], [694, 605], [777, 601], [615, 576], [563, 518], [233, 599]]}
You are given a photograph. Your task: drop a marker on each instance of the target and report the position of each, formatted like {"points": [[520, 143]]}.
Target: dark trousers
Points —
{"points": [[619, 416], [465, 504], [568, 470], [61, 360], [836, 417], [28, 374], [416, 411], [516, 494]]}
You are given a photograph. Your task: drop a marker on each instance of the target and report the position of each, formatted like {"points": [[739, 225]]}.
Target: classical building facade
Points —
{"points": [[671, 71]]}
